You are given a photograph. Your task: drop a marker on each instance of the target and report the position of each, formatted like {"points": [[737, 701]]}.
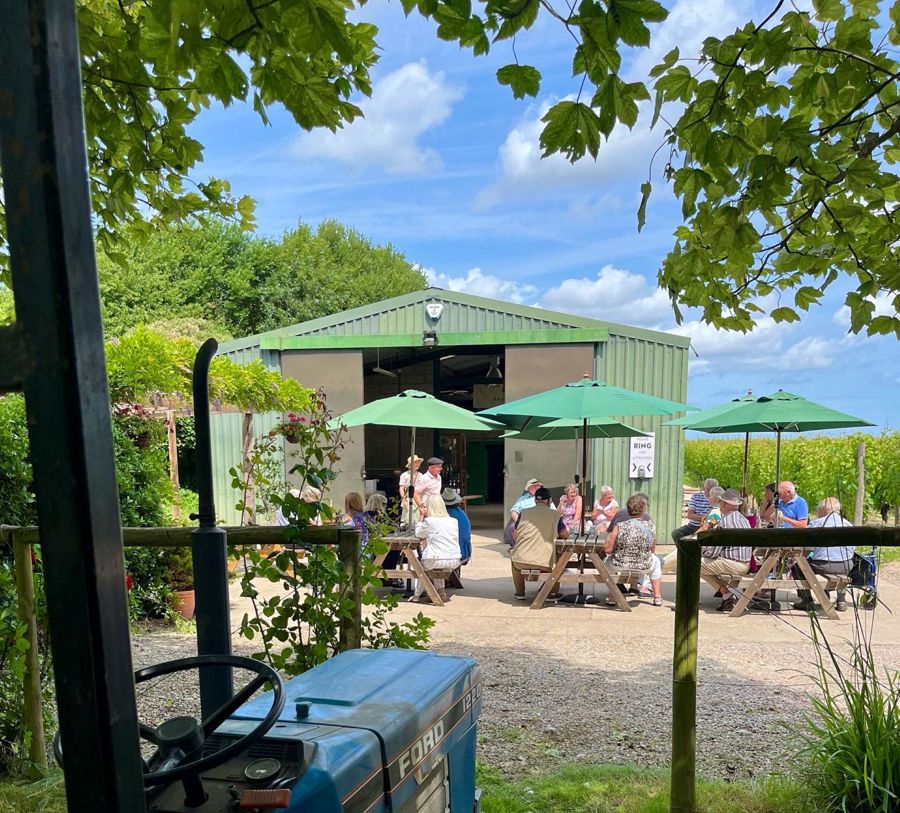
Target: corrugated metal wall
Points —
{"points": [[656, 369], [456, 318], [225, 431]]}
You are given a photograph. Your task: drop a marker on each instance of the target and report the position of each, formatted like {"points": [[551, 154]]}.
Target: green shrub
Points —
{"points": [[14, 742], [852, 736], [16, 500], [819, 465]]}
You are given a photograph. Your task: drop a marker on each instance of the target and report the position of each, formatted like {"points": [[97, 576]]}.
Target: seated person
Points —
{"points": [[604, 509], [827, 561], [534, 535], [631, 545], [732, 562], [440, 548], [714, 515], [570, 508], [355, 516], [769, 506], [453, 502]]}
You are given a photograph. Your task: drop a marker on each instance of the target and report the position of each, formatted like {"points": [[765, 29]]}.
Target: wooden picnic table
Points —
{"points": [[409, 548], [578, 548], [773, 558]]}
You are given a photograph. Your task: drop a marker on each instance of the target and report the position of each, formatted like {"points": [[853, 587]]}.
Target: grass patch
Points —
{"points": [[45, 796], [587, 789], [623, 789]]}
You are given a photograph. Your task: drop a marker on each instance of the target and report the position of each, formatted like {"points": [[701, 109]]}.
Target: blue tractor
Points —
{"points": [[369, 731]]}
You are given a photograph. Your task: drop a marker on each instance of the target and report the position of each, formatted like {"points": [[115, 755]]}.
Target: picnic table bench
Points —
{"points": [[581, 549], [773, 558], [409, 547]]}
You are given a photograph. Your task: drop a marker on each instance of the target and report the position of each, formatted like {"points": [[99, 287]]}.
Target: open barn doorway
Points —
{"points": [[469, 377]]}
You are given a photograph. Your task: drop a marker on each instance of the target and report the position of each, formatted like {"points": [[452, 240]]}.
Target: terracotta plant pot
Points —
{"points": [[183, 603]]}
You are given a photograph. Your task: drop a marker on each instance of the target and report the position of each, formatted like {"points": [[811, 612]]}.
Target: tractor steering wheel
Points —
{"points": [[179, 740]]}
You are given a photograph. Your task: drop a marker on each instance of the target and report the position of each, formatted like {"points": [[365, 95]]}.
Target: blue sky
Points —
{"points": [[446, 167]]}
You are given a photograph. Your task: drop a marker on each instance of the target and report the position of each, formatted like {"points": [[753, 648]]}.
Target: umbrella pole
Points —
{"points": [[583, 477], [413, 471], [777, 457], [746, 461]]}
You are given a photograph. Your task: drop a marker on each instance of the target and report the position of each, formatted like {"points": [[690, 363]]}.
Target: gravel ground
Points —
{"points": [[593, 685]]}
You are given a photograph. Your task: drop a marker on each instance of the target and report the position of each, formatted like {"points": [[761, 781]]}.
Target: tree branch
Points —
{"points": [[866, 60]]}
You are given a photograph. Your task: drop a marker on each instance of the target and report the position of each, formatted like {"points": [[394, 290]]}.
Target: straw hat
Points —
{"points": [[732, 496], [418, 460]]}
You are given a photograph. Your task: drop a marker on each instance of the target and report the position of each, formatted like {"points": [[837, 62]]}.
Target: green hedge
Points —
{"points": [[819, 465]]}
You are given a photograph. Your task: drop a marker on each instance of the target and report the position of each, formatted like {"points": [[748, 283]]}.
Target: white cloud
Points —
{"points": [[614, 295], [688, 24], [404, 105], [523, 171], [627, 153], [475, 282], [742, 349], [883, 307], [813, 353]]}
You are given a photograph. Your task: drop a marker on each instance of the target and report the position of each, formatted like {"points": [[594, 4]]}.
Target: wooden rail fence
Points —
{"points": [[22, 538]]}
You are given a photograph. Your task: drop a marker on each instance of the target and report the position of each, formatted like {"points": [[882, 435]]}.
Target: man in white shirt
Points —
{"points": [[429, 484], [827, 561]]}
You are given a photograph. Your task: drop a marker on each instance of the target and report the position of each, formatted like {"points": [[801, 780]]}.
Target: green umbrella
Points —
{"points": [[417, 410], [780, 412], [581, 401], [573, 429], [688, 422]]}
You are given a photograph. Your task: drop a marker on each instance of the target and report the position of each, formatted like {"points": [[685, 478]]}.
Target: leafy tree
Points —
{"points": [[149, 68], [213, 277], [779, 141]]}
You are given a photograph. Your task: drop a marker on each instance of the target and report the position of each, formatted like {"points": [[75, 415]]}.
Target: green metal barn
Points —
{"points": [[474, 352]]}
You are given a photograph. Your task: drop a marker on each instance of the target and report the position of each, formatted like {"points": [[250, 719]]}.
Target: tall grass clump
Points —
{"points": [[851, 739]]}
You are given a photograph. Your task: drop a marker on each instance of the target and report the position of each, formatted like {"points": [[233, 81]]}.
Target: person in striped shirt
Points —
{"points": [[721, 561], [698, 508]]}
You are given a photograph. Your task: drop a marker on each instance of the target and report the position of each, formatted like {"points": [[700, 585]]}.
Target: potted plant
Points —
{"points": [[181, 580], [292, 429]]}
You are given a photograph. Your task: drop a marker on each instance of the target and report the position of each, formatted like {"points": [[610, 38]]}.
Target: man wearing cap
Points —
{"points": [[721, 561], [407, 478], [453, 501], [429, 483], [535, 532], [526, 500]]}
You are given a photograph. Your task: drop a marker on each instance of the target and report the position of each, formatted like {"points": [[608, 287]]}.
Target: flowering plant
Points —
{"points": [[292, 429]]}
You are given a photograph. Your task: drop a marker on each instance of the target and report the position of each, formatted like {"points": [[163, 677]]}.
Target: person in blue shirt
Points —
{"points": [[827, 561], [453, 502], [793, 512]]}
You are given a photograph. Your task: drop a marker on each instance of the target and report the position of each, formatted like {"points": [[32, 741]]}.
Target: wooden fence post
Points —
{"points": [[349, 553], [171, 433], [31, 683], [683, 784], [859, 510], [247, 467]]}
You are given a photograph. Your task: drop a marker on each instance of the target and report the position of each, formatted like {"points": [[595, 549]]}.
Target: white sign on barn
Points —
{"points": [[640, 458]]}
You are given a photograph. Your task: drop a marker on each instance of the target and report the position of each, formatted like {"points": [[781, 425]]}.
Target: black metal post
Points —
{"points": [[209, 552], [48, 219]]}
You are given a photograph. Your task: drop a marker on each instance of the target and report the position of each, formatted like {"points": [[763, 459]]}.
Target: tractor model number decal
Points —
{"points": [[422, 746]]}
